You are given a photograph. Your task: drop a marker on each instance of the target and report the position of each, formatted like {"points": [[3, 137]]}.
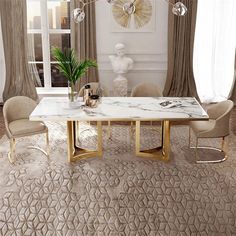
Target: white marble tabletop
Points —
{"points": [[121, 108]]}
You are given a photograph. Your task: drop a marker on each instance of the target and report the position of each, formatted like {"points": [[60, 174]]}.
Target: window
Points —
{"points": [[48, 23]]}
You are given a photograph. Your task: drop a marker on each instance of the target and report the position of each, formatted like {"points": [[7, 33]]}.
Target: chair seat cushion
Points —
{"points": [[201, 128], [24, 127]]}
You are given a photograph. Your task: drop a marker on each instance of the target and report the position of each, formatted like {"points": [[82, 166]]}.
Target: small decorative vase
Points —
{"points": [[72, 92], [93, 101]]}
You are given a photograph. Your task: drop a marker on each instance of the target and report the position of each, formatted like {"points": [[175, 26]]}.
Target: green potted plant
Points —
{"points": [[69, 65]]}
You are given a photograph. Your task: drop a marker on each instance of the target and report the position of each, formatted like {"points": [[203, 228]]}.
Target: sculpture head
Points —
{"points": [[120, 49]]}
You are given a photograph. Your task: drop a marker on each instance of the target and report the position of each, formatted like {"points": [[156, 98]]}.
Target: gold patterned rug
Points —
{"points": [[119, 194]]}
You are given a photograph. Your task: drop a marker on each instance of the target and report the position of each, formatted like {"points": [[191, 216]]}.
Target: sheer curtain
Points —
{"points": [[214, 49], [31, 57]]}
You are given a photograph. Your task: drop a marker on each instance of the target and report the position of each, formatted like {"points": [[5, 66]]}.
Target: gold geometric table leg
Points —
{"points": [[76, 153], [159, 153]]}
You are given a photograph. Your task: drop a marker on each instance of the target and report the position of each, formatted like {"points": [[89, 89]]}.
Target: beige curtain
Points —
{"points": [[83, 39], [180, 79], [233, 91], [14, 32]]}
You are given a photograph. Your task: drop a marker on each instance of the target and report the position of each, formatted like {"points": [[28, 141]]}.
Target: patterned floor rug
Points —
{"points": [[118, 195]]}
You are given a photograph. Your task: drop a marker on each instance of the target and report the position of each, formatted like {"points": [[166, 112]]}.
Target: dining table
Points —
{"points": [[133, 109]]}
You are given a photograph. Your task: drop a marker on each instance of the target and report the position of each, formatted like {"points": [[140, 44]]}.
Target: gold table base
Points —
{"points": [[160, 153], [76, 153]]}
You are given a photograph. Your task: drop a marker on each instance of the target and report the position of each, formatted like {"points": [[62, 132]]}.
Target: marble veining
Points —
{"points": [[121, 108]]}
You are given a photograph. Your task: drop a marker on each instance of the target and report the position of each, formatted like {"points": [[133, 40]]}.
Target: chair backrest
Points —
{"points": [[220, 109], [16, 108], [221, 113], [94, 86], [146, 90]]}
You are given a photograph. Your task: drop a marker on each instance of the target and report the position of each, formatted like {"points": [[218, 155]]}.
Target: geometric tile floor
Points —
{"points": [[119, 194]]}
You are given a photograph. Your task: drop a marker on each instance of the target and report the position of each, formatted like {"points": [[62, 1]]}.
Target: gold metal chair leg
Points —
{"points": [[99, 138], [137, 139], [223, 144], [109, 129], [166, 140], [11, 154], [189, 137], [132, 131], [70, 140], [224, 147], [162, 133], [196, 147], [47, 143], [77, 130]]}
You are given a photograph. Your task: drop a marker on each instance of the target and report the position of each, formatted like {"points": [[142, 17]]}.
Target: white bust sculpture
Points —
{"points": [[120, 65]]}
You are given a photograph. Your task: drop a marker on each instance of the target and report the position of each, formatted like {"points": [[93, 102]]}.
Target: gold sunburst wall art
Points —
{"points": [[136, 12]]}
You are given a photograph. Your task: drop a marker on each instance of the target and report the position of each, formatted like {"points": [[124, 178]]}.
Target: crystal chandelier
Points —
{"points": [[178, 9], [78, 14]]}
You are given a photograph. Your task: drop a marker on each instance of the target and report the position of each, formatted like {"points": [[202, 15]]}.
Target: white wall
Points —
{"points": [[2, 66], [148, 49]]}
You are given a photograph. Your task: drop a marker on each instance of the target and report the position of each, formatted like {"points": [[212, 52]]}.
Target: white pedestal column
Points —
{"points": [[120, 87]]}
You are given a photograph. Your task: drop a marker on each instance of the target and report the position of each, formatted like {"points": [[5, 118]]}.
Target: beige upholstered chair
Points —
{"points": [[16, 112], [146, 90], [94, 86], [216, 127]]}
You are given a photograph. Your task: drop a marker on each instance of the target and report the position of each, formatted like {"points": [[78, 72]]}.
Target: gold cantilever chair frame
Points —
{"points": [[17, 109], [216, 127], [11, 153], [223, 149]]}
